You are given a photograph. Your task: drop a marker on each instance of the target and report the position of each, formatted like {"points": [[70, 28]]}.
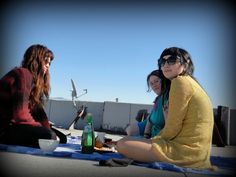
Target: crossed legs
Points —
{"points": [[136, 148]]}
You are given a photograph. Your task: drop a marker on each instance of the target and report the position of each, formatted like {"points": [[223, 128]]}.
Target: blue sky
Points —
{"points": [[110, 48]]}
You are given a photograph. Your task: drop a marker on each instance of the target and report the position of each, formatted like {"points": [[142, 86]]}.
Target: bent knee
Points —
{"points": [[120, 145]]}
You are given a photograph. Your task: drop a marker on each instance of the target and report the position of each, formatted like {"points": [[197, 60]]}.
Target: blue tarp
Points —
{"points": [[226, 165]]}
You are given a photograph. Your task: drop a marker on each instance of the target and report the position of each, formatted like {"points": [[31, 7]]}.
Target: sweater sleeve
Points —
{"points": [[180, 94], [20, 89], [40, 115]]}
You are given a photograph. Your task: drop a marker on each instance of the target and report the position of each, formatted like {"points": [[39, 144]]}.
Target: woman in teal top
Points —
{"points": [[156, 119], [151, 126]]}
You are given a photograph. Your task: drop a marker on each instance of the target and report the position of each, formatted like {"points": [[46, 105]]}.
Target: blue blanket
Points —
{"points": [[226, 165]]}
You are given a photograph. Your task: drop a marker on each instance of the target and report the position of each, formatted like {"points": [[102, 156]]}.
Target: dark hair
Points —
{"points": [[165, 83], [142, 115], [185, 59], [184, 56], [33, 60]]}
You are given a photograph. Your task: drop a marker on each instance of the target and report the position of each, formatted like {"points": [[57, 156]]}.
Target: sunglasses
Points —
{"points": [[170, 61]]}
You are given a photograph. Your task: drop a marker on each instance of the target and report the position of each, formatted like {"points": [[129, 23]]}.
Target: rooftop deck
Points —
{"points": [[26, 165]]}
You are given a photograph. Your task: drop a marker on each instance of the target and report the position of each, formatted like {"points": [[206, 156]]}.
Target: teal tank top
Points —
{"points": [[157, 117]]}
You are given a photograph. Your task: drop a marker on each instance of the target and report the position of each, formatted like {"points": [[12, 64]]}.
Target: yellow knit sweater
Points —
{"points": [[186, 138]]}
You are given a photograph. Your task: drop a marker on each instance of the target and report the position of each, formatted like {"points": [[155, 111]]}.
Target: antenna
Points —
{"points": [[74, 92], [82, 110], [85, 92]]}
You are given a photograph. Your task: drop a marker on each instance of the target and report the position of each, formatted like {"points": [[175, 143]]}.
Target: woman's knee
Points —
{"points": [[121, 145]]}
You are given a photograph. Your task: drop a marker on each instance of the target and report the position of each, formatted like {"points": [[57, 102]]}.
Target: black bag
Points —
{"points": [[141, 115], [62, 136]]}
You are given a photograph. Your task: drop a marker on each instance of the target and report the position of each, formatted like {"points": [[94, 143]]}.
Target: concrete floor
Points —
{"points": [[26, 165]]}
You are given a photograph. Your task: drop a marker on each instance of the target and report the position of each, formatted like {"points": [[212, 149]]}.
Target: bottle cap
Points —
{"points": [[89, 118]]}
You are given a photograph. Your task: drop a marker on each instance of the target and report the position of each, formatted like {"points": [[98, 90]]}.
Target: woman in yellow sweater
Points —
{"points": [[186, 138]]}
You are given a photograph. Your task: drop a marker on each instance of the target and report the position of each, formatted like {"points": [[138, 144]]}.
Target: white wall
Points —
{"points": [[60, 112], [135, 108], [106, 115], [96, 109], [117, 116], [63, 112]]}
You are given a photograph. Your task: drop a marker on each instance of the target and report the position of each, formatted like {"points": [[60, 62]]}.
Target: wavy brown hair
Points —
{"points": [[34, 60]]}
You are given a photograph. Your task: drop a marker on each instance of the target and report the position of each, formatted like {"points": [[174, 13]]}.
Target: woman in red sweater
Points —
{"points": [[22, 93]]}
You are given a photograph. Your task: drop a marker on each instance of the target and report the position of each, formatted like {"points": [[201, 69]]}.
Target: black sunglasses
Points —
{"points": [[170, 61]]}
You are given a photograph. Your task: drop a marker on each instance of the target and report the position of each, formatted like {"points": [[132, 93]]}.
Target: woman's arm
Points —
{"points": [[20, 89], [40, 115], [147, 130]]}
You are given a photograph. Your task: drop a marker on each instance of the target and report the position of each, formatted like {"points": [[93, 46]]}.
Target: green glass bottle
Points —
{"points": [[88, 138]]}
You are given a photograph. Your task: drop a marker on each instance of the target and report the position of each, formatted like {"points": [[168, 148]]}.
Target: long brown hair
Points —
{"points": [[34, 59]]}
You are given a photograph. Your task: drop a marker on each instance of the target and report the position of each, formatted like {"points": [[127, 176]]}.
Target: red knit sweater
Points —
{"points": [[15, 89]]}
